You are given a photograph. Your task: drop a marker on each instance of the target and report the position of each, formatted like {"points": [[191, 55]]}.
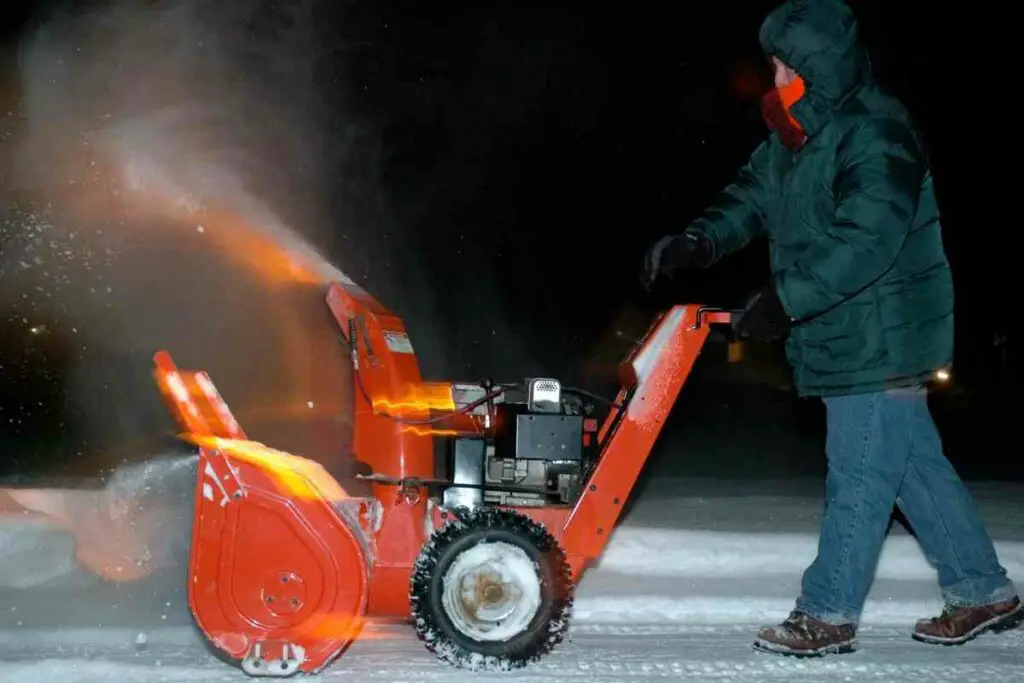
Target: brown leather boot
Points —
{"points": [[801, 635], [957, 625]]}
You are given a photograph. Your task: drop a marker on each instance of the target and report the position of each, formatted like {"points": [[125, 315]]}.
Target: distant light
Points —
{"points": [[37, 329], [735, 352], [942, 375], [310, 404]]}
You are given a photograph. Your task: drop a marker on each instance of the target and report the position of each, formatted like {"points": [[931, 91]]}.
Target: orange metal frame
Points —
{"points": [[283, 560]]}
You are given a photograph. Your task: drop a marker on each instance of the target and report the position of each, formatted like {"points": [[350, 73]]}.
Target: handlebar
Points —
{"points": [[706, 315]]}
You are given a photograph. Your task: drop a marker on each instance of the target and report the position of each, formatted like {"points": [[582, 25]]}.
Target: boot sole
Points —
{"points": [[843, 648], [1005, 622]]}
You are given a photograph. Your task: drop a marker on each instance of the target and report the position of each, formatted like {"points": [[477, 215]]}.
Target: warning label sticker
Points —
{"points": [[398, 342]]}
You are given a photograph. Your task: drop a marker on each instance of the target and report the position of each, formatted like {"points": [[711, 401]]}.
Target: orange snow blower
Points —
{"points": [[479, 546]]}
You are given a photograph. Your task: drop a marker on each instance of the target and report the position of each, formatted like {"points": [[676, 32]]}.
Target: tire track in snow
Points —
{"points": [[628, 653]]}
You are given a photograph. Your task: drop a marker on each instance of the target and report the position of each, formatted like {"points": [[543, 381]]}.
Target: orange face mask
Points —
{"points": [[775, 108]]}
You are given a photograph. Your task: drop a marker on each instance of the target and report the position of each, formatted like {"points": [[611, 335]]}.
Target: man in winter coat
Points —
{"points": [[862, 292]]}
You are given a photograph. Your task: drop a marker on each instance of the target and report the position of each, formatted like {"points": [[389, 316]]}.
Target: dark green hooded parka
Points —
{"points": [[851, 217]]}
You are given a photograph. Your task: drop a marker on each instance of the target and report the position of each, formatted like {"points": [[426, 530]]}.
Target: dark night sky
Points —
{"points": [[524, 157]]}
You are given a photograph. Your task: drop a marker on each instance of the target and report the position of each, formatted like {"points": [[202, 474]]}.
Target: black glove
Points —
{"points": [[691, 249], [763, 318]]}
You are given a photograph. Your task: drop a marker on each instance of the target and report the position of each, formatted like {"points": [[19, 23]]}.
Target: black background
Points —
{"points": [[493, 172]]}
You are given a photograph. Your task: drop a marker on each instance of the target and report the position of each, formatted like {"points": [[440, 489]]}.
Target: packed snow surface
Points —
{"points": [[694, 569]]}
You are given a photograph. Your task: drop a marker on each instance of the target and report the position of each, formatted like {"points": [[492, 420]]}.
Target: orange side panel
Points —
{"points": [[270, 565], [274, 568]]}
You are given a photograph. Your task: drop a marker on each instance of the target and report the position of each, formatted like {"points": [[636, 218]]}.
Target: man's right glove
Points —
{"points": [[691, 249]]}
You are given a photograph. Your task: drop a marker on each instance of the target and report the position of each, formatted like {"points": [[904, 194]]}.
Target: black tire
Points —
{"points": [[470, 529]]}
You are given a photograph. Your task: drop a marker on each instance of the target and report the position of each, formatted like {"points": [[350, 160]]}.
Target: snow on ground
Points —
{"points": [[693, 570]]}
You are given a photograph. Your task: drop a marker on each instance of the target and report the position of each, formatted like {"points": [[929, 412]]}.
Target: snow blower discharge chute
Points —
{"points": [[479, 547]]}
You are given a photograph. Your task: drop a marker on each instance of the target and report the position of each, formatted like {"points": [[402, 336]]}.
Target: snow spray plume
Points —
{"points": [[186, 138], [165, 109]]}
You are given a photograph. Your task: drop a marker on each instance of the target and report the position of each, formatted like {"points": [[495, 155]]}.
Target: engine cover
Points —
{"points": [[537, 436]]}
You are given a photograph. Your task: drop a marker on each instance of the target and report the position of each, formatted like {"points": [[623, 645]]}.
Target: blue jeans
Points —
{"points": [[883, 448]]}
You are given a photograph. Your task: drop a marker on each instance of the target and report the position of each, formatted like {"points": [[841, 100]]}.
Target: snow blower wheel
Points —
{"points": [[491, 591]]}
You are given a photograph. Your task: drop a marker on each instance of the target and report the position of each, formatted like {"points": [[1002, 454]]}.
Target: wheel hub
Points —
{"points": [[491, 591]]}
